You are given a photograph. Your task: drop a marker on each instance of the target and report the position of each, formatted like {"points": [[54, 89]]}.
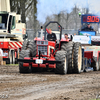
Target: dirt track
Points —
{"points": [[47, 86]]}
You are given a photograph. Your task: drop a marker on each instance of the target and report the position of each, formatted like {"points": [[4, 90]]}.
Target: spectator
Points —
{"points": [[66, 36], [1, 57], [88, 28]]}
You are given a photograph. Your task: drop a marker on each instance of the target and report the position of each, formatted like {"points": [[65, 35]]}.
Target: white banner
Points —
{"points": [[82, 39]]}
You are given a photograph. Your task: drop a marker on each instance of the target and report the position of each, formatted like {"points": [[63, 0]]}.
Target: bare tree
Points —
{"points": [[21, 7], [28, 10], [35, 17], [75, 16]]}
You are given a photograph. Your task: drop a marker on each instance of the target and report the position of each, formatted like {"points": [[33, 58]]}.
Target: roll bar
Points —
{"points": [[48, 24]]}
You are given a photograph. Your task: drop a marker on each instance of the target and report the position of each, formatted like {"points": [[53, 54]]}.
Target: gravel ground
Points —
{"points": [[47, 85]]}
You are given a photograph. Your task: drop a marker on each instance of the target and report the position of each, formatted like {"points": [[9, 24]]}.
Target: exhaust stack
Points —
{"points": [[41, 32]]}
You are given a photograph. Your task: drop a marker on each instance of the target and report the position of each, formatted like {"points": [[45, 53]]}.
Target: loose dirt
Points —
{"points": [[47, 85]]}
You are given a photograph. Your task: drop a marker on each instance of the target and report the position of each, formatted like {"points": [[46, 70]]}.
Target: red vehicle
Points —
{"points": [[64, 57], [11, 32], [90, 41]]}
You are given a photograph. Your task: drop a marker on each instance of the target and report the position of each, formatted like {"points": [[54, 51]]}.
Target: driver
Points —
{"points": [[51, 36]]}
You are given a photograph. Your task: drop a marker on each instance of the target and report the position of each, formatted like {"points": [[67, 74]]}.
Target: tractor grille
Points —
{"points": [[43, 50], [42, 42]]}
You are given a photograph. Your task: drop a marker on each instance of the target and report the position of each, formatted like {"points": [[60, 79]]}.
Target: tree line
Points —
{"points": [[28, 11]]}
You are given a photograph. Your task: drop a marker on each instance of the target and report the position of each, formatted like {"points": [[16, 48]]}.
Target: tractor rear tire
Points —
{"points": [[22, 69], [32, 48], [77, 57], [61, 68], [68, 47], [24, 46]]}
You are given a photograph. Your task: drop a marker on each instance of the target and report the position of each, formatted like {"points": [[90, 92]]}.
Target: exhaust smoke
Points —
{"points": [[47, 8]]}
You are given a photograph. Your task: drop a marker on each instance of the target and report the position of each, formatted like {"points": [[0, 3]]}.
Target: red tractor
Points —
{"points": [[64, 57]]}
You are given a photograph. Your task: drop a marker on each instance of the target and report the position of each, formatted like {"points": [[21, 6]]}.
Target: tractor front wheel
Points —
{"points": [[22, 69], [61, 68]]}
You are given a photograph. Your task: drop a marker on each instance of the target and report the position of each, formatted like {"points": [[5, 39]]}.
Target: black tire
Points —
{"points": [[32, 48], [35, 69], [68, 47], [18, 52], [12, 57], [22, 69], [96, 65], [16, 62], [83, 65], [25, 44], [93, 64], [8, 61], [61, 68], [99, 62], [77, 57]]}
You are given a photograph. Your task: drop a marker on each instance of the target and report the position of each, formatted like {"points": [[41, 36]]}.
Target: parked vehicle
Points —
{"points": [[90, 41], [11, 32]]}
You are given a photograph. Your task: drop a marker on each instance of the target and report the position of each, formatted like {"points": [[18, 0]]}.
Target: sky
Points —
{"points": [[47, 8]]}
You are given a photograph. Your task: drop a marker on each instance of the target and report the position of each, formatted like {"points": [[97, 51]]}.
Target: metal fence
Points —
{"points": [[30, 32]]}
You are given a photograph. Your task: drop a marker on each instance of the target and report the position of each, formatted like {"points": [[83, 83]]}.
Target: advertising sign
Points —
{"points": [[82, 39]]}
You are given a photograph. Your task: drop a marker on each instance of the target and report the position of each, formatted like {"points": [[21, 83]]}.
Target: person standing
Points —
{"points": [[88, 28], [1, 56]]}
